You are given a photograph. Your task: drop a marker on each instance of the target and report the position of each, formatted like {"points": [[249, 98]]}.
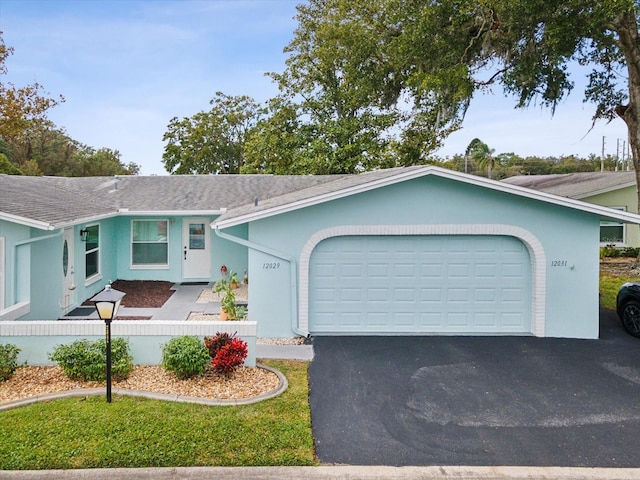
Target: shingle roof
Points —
{"points": [[51, 202], [205, 192], [575, 185], [354, 184]]}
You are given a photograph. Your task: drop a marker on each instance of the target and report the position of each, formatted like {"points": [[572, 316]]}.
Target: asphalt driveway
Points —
{"points": [[478, 400]]}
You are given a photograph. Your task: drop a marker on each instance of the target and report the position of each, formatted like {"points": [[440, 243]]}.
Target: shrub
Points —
{"points": [[8, 361], [215, 343], [87, 360], [227, 352], [185, 356]]}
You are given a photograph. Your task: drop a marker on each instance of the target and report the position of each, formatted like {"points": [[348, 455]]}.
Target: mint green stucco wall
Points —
{"points": [[623, 197], [567, 235], [17, 263], [33, 272], [222, 251]]}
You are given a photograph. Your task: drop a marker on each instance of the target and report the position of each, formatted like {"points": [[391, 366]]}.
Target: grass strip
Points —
{"points": [[136, 432], [609, 286]]}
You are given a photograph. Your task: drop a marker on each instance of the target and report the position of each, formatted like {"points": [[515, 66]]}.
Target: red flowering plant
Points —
{"points": [[227, 352]]}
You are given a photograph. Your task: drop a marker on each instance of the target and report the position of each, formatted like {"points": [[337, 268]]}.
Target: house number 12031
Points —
{"points": [[270, 266], [558, 263]]}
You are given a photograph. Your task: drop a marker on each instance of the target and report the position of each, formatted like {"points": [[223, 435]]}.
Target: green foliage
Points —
{"points": [[7, 167], [228, 300], [211, 142], [609, 286], [8, 360], [86, 360], [611, 251], [185, 356], [73, 434]]}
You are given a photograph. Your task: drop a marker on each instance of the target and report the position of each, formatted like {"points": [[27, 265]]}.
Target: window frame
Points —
{"points": [[606, 223], [97, 275], [149, 266]]}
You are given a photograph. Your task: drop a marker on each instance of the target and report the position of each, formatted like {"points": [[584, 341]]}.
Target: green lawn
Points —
{"points": [[609, 286], [134, 432]]}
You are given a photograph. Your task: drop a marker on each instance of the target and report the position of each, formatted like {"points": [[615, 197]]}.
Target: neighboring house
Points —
{"points": [[417, 250], [615, 190]]}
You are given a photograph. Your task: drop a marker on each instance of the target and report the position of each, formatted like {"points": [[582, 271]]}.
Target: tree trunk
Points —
{"points": [[627, 29]]}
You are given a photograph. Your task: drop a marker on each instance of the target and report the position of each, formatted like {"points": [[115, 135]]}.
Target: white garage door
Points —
{"points": [[420, 284]]}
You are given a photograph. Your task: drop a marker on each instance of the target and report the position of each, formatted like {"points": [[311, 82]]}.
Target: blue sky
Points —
{"points": [[126, 67]]}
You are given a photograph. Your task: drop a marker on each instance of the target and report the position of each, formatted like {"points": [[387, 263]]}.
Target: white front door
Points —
{"points": [[68, 286], [196, 249]]}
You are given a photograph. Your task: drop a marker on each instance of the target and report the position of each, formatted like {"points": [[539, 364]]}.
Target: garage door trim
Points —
{"points": [[536, 253]]}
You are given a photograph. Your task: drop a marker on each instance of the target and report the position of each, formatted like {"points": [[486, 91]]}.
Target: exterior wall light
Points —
{"points": [[83, 234]]}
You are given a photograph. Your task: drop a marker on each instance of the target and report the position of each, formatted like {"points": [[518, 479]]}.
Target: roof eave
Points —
{"points": [[604, 190], [171, 213], [603, 212], [27, 222]]}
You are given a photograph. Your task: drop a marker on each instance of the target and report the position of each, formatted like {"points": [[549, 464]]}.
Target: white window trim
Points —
{"points": [[98, 275], [624, 230], [148, 266], [535, 248]]}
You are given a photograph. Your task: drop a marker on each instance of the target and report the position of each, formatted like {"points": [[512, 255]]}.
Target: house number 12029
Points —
{"points": [[270, 266]]}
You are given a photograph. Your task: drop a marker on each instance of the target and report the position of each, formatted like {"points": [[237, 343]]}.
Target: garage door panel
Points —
{"points": [[351, 295], [431, 321], [420, 284], [377, 295], [511, 320], [458, 270], [431, 295], [488, 295], [432, 271]]}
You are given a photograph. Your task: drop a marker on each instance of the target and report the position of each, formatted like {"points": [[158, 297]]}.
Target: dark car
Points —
{"points": [[628, 307]]}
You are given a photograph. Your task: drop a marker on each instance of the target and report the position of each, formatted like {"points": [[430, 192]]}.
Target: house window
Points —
{"points": [[612, 233], [149, 243], [92, 251]]}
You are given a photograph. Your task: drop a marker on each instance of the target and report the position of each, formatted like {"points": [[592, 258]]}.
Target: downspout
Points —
{"points": [[293, 273]]}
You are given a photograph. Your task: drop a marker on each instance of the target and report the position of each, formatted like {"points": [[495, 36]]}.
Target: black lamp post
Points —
{"points": [[107, 303]]}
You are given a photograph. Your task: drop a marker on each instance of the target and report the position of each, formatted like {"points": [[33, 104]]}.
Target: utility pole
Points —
{"points": [[602, 156], [618, 153]]}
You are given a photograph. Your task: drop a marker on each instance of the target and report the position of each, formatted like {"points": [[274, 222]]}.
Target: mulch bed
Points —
{"points": [[142, 293], [618, 266]]}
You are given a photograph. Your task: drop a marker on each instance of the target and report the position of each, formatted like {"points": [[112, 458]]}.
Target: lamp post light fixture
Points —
{"points": [[107, 303]]}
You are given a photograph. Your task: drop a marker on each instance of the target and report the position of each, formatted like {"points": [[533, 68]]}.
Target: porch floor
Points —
{"points": [[177, 307]]}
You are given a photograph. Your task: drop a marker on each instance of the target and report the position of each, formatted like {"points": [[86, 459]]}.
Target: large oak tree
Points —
{"points": [[427, 59], [211, 141]]}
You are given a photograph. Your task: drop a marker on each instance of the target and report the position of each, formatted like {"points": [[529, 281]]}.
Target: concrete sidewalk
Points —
{"points": [[332, 472]]}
